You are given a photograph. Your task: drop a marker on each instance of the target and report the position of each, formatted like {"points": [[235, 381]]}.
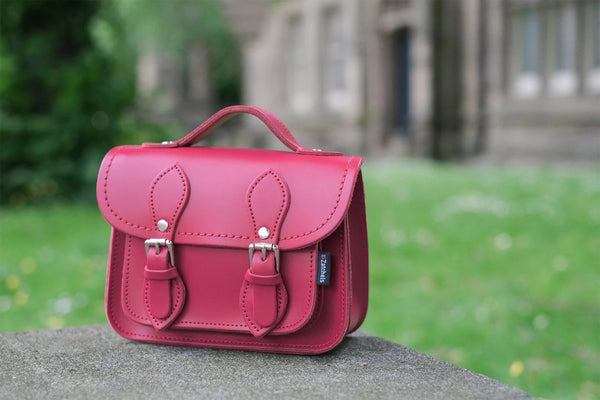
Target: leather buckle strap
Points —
{"points": [[263, 296], [264, 247]]}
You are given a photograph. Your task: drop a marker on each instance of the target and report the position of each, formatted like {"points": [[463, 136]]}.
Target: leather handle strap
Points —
{"points": [[219, 118]]}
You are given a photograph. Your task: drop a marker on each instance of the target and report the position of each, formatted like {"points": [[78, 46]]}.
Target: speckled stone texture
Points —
{"points": [[94, 362]]}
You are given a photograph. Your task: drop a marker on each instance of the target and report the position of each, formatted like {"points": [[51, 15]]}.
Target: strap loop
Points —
{"points": [[263, 280], [160, 275]]}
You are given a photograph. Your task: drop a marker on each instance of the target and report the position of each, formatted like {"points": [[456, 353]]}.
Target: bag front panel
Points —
{"points": [[324, 329], [213, 278]]}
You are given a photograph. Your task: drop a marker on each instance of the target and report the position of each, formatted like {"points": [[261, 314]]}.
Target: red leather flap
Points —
{"points": [[218, 182]]}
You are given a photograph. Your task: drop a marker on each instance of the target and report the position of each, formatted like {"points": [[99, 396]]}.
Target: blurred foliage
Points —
{"points": [[61, 97], [67, 85]]}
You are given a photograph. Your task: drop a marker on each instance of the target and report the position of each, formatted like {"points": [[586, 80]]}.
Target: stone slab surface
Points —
{"points": [[94, 362]]}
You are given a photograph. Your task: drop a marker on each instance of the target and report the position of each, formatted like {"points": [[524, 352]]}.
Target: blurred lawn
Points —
{"points": [[494, 269]]}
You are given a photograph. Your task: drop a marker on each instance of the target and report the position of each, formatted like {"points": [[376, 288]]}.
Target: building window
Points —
{"points": [[527, 82], [333, 60], [593, 79], [298, 67], [563, 80], [531, 42]]}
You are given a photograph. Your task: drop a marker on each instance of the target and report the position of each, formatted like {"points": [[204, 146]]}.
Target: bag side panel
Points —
{"points": [[325, 330], [357, 239]]}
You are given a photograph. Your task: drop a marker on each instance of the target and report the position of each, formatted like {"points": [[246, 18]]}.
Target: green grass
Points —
{"points": [[53, 267], [494, 269]]}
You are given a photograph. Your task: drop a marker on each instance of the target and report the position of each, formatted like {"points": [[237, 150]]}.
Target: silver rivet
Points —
{"points": [[162, 225], [264, 232]]}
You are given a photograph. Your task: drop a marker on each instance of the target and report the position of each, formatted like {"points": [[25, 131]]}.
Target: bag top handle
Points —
{"points": [[219, 118]]}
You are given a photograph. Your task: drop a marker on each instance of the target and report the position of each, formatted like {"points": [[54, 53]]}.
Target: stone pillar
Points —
{"points": [[422, 77], [447, 124]]}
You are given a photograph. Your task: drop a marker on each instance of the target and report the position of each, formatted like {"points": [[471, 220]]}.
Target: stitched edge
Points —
{"points": [[337, 203], [281, 294], [284, 203], [173, 217], [127, 275], [224, 235], [112, 211], [160, 323]]}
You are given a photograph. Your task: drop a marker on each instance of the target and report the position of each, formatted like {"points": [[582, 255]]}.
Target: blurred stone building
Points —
{"points": [[175, 91], [515, 78]]}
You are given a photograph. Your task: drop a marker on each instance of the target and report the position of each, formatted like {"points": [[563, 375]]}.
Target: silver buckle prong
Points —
{"points": [[264, 247], [161, 242]]}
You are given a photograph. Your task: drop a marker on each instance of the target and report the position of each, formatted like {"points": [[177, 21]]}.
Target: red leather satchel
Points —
{"points": [[235, 248]]}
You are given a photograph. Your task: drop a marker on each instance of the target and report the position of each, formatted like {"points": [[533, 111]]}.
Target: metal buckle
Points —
{"points": [[264, 247], [161, 242]]}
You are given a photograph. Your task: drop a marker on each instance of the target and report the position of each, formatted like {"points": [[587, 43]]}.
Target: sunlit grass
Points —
{"points": [[493, 269], [53, 267], [496, 270]]}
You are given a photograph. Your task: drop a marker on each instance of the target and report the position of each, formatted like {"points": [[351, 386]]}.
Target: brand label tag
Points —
{"points": [[324, 268]]}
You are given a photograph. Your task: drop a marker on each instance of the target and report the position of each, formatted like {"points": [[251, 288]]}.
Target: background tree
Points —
{"points": [[67, 84], [61, 97]]}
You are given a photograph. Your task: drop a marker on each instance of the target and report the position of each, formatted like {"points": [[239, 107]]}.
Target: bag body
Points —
{"points": [[235, 248]]}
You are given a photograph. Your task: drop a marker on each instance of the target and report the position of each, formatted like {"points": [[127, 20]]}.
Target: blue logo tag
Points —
{"points": [[324, 268]]}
